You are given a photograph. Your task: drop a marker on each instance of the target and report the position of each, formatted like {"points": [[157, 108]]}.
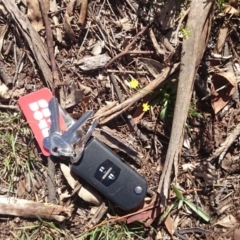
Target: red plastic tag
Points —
{"points": [[36, 111]]}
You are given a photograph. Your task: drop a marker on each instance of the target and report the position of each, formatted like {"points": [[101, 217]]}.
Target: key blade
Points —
{"points": [[90, 131], [69, 121], [54, 109], [70, 134], [79, 149]]}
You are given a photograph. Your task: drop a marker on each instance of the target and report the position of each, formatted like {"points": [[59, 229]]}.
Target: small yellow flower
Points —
{"points": [[146, 107], [134, 83]]}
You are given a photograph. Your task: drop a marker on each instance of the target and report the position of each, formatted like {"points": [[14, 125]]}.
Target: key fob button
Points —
{"points": [[107, 173]]}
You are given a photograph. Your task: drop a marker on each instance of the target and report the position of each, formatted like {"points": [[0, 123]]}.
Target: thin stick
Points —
{"points": [[49, 38], [179, 25], [51, 166], [9, 107]]}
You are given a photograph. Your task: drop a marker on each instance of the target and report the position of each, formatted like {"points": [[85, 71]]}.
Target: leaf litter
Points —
{"points": [[140, 40]]}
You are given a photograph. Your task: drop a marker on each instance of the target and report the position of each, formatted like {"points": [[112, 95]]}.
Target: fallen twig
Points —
{"points": [[9, 107], [49, 38], [115, 111], [51, 166], [29, 209]]}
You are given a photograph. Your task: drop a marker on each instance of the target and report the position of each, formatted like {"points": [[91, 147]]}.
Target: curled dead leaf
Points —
{"points": [[223, 86], [147, 216], [229, 221], [87, 193]]}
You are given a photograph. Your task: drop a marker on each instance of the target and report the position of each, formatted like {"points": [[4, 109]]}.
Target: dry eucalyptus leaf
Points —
{"points": [[153, 66], [87, 193], [4, 92], [97, 48], [138, 114], [169, 223], [71, 99], [221, 98], [229, 221]]}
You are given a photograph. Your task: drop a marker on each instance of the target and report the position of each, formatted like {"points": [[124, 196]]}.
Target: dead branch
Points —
{"points": [[29, 209], [192, 51]]}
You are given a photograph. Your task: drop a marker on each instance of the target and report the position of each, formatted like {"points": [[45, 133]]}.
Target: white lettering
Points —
{"points": [[34, 106], [38, 115]]}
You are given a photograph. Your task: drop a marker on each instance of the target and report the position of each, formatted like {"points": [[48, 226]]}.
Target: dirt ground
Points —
{"points": [[162, 80]]}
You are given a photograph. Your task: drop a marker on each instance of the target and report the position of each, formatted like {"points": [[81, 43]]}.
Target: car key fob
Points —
{"points": [[105, 171]]}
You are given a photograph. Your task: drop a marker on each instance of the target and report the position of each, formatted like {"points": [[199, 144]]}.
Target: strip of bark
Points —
{"points": [[192, 51], [29, 209]]}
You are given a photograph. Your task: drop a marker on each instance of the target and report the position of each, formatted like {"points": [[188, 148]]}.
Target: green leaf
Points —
{"points": [[198, 210], [177, 192], [168, 210], [180, 203]]}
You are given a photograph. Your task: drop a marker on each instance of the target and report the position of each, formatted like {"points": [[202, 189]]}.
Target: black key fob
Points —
{"points": [[105, 171]]}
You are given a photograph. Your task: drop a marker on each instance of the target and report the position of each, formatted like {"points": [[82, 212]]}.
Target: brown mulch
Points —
{"points": [[99, 47]]}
